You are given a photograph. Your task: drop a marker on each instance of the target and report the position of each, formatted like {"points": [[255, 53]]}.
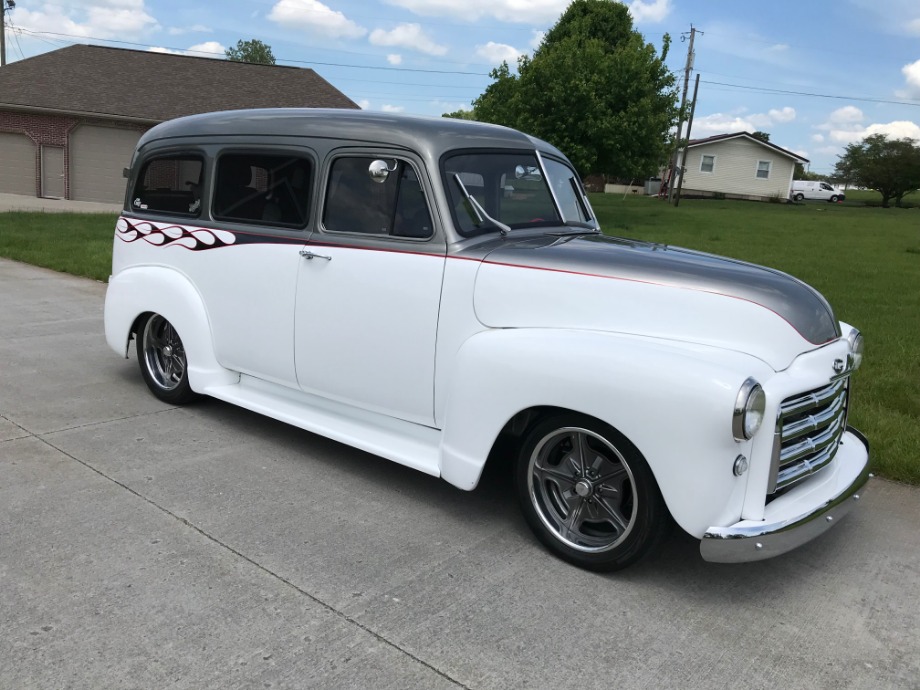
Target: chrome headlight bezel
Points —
{"points": [[857, 346], [750, 406]]}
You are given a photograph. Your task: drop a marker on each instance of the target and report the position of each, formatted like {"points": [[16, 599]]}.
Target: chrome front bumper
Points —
{"points": [[800, 515]]}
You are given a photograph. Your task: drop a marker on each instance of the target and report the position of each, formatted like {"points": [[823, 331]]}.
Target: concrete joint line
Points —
{"points": [[249, 560]]}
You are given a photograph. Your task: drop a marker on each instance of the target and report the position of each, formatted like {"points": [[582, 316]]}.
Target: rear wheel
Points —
{"points": [[588, 494], [162, 359], [799, 197]]}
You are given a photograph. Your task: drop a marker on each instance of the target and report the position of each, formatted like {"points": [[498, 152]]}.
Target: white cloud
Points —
{"points": [[650, 10], [207, 49], [817, 138], [315, 17], [786, 114], [727, 123], [899, 129], [537, 38], [98, 18], [410, 36], [911, 74], [394, 59], [779, 48], [387, 108], [518, 11], [844, 126], [496, 53], [913, 27], [197, 28], [364, 104]]}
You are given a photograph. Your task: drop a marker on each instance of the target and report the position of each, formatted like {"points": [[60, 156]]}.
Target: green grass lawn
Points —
{"points": [[866, 261]]}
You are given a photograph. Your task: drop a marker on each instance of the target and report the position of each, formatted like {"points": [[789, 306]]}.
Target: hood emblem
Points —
{"points": [[838, 366]]}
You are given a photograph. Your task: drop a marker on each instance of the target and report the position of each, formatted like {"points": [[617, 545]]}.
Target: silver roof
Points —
{"points": [[429, 136]]}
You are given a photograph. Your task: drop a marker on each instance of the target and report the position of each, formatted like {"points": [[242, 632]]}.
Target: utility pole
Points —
{"points": [[4, 6], [683, 104], [680, 183]]}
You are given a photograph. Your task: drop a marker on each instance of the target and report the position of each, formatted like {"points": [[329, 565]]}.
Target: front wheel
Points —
{"points": [[833, 199], [588, 494], [162, 359]]}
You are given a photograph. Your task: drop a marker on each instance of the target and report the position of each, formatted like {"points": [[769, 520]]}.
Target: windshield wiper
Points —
{"points": [[478, 210]]}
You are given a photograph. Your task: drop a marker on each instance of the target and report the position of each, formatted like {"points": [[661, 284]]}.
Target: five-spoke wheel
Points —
{"points": [[162, 359], [588, 494]]}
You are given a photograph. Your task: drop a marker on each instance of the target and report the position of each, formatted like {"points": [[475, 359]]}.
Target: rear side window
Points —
{"points": [[171, 184], [264, 189], [395, 206]]}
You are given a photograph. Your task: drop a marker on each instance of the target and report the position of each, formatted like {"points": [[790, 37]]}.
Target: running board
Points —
{"points": [[412, 445]]}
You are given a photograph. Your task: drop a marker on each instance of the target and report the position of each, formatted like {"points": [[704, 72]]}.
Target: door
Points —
{"points": [[53, 172], [17, 164], [98, 157], [369, 291]]}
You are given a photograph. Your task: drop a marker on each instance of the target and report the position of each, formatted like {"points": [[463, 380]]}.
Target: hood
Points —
{"points": [[605, 283]]}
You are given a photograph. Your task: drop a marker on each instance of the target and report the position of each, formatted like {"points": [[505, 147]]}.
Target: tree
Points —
{"points": [[761, 136], [461, 114], [251, 51], [891, 166], [594, 89]]}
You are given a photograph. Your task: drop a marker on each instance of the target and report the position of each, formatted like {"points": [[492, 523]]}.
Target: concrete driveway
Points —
{"points": [[155, 547]]}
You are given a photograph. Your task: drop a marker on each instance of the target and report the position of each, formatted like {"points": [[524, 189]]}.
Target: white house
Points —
{"points": [[738, 166]]}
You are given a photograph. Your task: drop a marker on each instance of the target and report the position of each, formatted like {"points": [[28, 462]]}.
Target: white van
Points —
{"points": [[815, 189]]}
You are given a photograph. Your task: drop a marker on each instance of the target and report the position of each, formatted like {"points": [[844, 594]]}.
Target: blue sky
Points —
{"points": [[816, 75]]}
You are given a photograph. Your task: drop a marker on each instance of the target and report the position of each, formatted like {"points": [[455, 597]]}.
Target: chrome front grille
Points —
{"points": [[808, 431]]}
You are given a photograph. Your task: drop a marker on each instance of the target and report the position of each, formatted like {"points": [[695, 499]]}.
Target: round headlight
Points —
{"points": [[855, 341], [749, 408]]}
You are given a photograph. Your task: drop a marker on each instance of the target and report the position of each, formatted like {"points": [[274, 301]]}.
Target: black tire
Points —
{"points": [[799, 197], [833, 199], [162, 359], [588, 494]]}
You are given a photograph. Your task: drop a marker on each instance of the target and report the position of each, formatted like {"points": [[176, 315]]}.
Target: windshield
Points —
{"points": [[509, 187]]}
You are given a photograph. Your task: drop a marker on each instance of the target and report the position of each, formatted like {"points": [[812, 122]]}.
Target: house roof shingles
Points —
{"points": [[151, 86]]}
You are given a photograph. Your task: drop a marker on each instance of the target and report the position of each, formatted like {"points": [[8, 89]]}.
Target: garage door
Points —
{"points": [[98, 155], [17, 171]]}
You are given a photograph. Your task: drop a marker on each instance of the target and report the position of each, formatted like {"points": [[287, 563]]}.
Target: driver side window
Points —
{"points": [[356, 202]]}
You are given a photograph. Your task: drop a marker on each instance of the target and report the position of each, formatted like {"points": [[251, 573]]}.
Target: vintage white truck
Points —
{"points": [[422, 288]]}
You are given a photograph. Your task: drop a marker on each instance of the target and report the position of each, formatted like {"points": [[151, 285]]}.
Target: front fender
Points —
{"points": [[167, 292], [673, 401]]}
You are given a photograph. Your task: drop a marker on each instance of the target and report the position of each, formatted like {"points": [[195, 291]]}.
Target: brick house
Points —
{"points": [[70, 118]]}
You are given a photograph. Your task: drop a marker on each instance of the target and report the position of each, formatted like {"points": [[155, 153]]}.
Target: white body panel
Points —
{"points": [[366, 326]]}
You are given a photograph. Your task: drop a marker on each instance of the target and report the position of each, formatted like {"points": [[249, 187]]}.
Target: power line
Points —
{"points": [[287, 60], [761, 89]]}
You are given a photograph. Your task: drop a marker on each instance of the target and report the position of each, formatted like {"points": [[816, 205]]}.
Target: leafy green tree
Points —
{"points": [[761, 136], [594, 89], [461, 115], [890, 166], [251, 51]]}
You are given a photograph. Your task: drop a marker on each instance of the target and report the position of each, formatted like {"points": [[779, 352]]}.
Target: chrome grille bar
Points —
{"points": [[808, 432]]}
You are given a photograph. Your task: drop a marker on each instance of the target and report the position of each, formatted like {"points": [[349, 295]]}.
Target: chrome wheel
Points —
{"points": [[163, 356], [582, 489]]}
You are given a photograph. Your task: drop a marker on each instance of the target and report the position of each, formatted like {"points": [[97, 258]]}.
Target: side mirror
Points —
{"points": [[379, 171], [529, 172]]}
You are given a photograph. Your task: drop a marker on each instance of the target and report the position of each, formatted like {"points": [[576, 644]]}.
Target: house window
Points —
{"points": [[707, 163], [763, 170]]}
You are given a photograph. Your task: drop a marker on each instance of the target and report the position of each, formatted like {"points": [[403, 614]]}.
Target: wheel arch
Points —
{"points": [[669, 401], [139, 291]]}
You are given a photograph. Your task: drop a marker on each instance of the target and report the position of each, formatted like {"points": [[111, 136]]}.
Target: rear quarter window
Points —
{"points": [[170, 184]]}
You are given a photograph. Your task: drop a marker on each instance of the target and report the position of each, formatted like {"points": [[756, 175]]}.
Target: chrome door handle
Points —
{"points": [[310, 255]]}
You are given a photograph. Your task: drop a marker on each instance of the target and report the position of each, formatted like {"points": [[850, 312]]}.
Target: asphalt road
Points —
{"points": [[207, 547]]}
